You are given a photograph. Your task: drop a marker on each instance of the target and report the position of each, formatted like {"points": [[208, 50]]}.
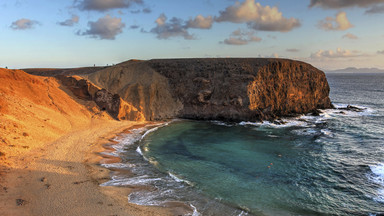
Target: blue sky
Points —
{"points": [[330, 34]]}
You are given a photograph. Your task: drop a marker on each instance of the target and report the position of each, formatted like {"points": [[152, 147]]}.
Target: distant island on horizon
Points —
{"points": [[356, 70]]}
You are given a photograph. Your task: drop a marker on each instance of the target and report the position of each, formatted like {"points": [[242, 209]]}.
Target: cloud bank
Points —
{"points": [[106, 27], [376, 6], [174, 28], [257, 17], [177, 27], [24, 24], [104, 5], [200, 22], [339, 53], [375, 10], [340, 23], [337, 4]]}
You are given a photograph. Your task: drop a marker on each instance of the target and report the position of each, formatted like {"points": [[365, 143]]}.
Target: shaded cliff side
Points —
{"points": [[225, 89]]}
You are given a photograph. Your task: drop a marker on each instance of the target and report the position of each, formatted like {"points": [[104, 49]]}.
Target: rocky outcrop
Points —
{"points": [[142, 87], [225, 89], [106, 101]]}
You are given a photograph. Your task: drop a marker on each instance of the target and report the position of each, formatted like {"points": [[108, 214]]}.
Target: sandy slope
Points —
{"points": [[48, 140]]}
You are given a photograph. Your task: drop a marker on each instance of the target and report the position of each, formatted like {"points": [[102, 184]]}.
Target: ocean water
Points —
{"points": [[332, 164]]}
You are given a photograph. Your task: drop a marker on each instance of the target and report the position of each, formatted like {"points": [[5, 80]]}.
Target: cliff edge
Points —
{"points": [[233, 89]]}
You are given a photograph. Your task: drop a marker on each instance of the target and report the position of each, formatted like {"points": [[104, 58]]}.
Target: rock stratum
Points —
{"points": [[230, 89]]}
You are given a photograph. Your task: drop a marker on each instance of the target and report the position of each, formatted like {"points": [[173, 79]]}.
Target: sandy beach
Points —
{"points": [[49, 152], [62, 178]]}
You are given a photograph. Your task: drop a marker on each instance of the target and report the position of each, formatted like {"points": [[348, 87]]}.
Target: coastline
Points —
{"points": [[63, 177]]}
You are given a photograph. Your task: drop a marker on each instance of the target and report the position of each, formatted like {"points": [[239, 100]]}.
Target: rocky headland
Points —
{"points": [[226, 89], [229, 89]]}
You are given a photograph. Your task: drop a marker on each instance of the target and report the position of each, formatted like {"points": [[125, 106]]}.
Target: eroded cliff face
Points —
{"points": [[106, 101], [224, 89], [141, 86]]}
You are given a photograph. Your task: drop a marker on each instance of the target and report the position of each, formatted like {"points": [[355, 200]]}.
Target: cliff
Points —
{"points": [[106, 101], [225, 89]]}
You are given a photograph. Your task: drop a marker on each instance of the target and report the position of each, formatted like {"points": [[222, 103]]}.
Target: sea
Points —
{"points": [[331, 164]]}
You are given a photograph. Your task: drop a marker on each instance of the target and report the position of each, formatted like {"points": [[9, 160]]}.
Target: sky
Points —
{"points": [[329, 34]]}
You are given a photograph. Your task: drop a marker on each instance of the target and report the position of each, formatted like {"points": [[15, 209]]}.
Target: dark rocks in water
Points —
{"points": [[351, 108], [229, 89], [316, 112], [279, 122]]}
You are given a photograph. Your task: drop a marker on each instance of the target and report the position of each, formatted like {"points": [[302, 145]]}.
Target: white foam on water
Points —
{"points": [[243, 213], [118, 165], [326, 132], [378, 171], [138, 150], [294, 122], [377, 176], [380, 196], [160, 125], [133, 181], [195, 212], [174, 177], [341, 110], [179, 179], [144, 198], [306, 132], [221, 123], [128, 139]]}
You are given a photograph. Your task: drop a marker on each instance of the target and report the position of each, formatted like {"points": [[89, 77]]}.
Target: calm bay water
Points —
{"points": [[332, 164]]}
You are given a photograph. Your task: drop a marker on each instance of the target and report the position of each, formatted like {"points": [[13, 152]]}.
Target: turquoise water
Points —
{"points": [[332, 164]]}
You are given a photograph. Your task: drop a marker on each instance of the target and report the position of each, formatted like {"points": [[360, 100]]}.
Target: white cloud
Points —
{"points": [[339, 53], [240, 37], [257, 17], [104, 5], [23, 24], [380, 52], [70, 22], [106, 27], [174, 28], [340, 23], [200, 22], [350, 36]]}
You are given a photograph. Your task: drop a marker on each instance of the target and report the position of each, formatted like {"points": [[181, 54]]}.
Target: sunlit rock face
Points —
{"points": [[244, 89]]}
